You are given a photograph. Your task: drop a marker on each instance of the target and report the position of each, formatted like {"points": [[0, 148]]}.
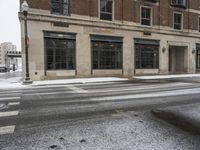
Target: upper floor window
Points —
{"points": [[177, 21], [146, 16], [61, 7], [106, 10], [179, 3]]}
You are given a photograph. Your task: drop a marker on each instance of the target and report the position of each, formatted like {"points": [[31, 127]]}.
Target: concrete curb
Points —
{"points": [[181, 120]]}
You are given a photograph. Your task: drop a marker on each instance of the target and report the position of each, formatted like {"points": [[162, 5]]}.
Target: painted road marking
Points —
{"points": [[9, 98], [13, 103], [150, 95], [7, 130], [47, 93], [9, 113], [77, 90]]}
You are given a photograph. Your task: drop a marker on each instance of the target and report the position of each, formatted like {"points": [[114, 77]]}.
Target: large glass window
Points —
{"points": [[198, 58], [146, 56], [61, 7], [106, 10], [177, 21], [199, 23], [107, 55], [60, 54], [146, 16]]}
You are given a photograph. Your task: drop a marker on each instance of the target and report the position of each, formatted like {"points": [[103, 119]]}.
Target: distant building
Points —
{"points": [[4, 60], [112, 37]]}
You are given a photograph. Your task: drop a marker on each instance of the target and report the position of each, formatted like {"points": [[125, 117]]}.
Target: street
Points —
{"points": [[107, 115]]}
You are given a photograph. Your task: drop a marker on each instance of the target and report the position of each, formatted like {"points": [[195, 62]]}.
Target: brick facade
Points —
{"points": [[129, 10]]}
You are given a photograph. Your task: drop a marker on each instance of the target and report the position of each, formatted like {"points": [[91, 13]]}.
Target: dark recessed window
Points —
{"points": [[198, 57], [107, 55], [60, 54], [146, 16], [60, 7], [177, 21], [146, 56], [106, 10], [199, 23], [179, 3]]}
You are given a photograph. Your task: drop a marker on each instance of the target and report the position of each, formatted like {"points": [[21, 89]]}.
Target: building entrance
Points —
{"points": [[178, 58]]}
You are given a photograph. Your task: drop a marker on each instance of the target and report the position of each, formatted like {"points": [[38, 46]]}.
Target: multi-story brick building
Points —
{"points": [[112, 37]]}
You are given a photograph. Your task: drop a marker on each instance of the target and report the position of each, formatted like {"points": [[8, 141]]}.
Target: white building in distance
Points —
{"points": [[4, 61]]}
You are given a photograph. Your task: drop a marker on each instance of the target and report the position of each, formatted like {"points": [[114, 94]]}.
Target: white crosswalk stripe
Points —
{"points": [[7, 130], [12, 96], [9, 113], [77, 90], [9, 98], [13, 103]]}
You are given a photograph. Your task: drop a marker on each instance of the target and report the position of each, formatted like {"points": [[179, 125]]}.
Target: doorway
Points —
{"points": [[178, 59]]}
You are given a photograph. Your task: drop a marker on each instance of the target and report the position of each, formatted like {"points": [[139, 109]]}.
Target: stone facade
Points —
{"points": [[84, 21]]}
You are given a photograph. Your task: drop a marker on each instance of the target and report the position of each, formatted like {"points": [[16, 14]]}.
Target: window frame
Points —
{"points": [[61, 5], [113, 11], [198, 23], [102, 51], [151, 15], [64, 38], [180, 13], [197, 57], [140, 46]]}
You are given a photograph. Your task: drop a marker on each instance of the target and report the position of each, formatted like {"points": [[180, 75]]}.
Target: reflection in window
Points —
{"points": [[147, 56], [107, 55], [61, 7], [106, 8], [60, 54], [177, 21], [146, 16], [198, 58]]}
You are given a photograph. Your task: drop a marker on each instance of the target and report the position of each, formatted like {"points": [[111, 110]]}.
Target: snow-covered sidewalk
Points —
{"points": [[166, 76], [17, 83], [78, 80]]}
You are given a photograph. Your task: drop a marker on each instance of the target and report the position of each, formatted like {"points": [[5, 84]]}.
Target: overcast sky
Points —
{"points": [[9, 23]]}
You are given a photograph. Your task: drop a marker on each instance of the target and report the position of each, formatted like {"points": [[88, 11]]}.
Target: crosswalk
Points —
{"points": [[8, 101], [52, 102]]}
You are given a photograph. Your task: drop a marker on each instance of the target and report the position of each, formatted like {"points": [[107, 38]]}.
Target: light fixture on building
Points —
{"points": [[163, 49], [193, 51], [25, 9]]}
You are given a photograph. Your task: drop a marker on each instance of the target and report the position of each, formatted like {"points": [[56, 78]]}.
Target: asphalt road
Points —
{"points": [[110, 115]]}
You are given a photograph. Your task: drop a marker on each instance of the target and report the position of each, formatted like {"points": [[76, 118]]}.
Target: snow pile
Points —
{"points": [[79, 80], [167, 76], [14, 82]]}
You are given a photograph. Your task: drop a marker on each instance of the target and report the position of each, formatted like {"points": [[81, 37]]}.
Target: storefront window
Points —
{"points": [[198, 58], [146, 56], [107, 55], [60, 54]]}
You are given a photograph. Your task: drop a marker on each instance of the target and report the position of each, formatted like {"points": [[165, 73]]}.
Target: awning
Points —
{"points": [[147, 42], [58, 35], [106, 38]]}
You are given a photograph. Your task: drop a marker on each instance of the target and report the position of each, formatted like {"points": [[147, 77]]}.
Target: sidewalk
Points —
{"points": [[153, 77], [16, 82], [186, 117]]}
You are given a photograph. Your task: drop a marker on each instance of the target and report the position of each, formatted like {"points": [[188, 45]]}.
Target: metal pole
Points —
{"points": [[27, 79]]}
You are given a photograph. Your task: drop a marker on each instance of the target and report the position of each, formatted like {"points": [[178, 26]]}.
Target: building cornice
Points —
{"points": [[120, 25]]}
